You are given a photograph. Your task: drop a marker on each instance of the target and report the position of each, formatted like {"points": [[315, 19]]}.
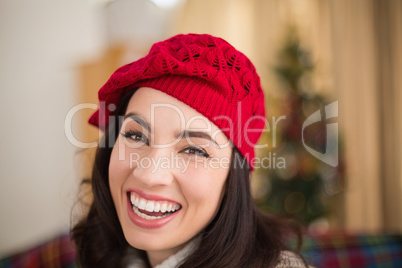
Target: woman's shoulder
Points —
{"points": [[290, 259]]}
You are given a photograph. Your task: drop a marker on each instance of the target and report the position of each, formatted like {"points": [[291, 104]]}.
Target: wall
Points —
{"points": [[40, 44]]}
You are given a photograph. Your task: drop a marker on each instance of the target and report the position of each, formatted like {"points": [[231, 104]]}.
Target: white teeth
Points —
{"points": [[157, 207], [147, 217], [150, 206], [143, 204], [163, 207]]}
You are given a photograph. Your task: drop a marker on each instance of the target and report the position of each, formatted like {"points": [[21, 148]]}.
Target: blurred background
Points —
{"points": [[55, 55]]}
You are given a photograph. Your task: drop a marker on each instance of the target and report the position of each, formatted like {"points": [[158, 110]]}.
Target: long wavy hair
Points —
{"points": [[239, 236]]}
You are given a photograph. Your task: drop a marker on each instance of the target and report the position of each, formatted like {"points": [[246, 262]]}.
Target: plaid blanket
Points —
{"points": [[57, 252], [327, 251], [354, 251]]}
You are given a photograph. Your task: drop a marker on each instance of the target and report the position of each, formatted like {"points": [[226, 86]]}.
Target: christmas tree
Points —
{"points": [[302, 184]]}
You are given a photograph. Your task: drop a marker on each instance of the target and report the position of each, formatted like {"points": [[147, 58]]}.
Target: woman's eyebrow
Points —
{"points": [[137, 118], [196, 134], [186, 133]]}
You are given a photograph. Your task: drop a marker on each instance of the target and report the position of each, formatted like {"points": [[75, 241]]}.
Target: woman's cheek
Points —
{"points": [[203, 188], [119, 169]]}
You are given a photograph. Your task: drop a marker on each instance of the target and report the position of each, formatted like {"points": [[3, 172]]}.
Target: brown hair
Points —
{"points": [[239, 236]]}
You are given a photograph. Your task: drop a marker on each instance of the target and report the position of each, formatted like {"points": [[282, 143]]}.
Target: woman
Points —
{"points": [[171, 178]]}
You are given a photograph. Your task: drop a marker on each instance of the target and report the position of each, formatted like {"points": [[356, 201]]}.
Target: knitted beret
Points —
{"points": [[204, 72]]}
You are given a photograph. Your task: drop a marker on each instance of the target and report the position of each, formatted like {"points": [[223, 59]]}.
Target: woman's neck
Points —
{"points": [[156, 257]]}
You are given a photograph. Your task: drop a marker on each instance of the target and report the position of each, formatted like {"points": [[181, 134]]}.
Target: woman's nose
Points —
{"points": [[154, 169]]}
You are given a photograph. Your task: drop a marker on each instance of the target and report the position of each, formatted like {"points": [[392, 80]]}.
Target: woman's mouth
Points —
{"points": [[152, 209]]}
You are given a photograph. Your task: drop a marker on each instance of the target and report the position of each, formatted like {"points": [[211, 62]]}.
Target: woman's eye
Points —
{"points": [[135, 136], [196, 151]]}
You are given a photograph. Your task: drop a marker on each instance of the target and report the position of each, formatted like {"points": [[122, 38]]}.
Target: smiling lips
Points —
{"points": [[151, 209]]}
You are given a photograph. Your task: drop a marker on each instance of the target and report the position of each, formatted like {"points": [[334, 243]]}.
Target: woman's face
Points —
{"points": [[167, 173]]}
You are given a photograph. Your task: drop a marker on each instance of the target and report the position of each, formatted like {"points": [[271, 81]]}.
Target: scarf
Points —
{"points": [[134, 260]]}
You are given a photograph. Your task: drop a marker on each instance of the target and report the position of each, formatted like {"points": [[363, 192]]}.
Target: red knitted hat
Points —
{"points": [[206, 73]]}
